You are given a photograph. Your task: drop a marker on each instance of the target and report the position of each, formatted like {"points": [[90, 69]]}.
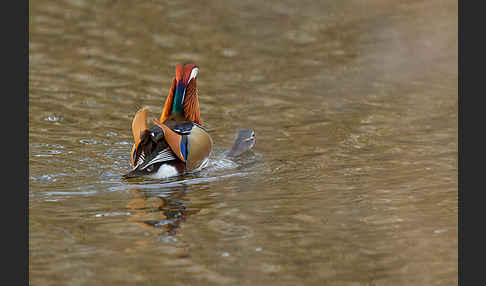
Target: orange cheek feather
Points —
{"points": [[168, 102]]}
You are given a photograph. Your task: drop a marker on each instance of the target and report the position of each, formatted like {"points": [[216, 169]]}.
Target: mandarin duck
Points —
{"points": [[176, 143]]}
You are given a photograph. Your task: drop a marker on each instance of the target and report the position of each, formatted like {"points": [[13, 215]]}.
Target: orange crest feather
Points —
{"points": [[191, 104]]}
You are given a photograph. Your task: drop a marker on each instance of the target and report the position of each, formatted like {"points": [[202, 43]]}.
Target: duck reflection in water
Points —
{"points": [[160, 211]]}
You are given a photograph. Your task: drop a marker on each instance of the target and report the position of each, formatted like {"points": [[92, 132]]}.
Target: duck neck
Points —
{"points": [[178, 103]]}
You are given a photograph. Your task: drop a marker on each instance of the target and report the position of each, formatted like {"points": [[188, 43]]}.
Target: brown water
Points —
{"points": [[353, 178]]}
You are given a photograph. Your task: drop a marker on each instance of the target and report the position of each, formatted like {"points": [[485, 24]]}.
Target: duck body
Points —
{"points": [[156, 159], [176, 143]]}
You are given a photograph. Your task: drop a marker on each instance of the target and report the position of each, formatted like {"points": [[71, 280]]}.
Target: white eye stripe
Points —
{"points": [[194, 73]]}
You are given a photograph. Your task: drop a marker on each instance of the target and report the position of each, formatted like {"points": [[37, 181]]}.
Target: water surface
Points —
{"points": [[353, 178]]}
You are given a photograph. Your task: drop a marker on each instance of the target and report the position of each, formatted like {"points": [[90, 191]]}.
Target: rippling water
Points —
{"points": [[353, 178]]}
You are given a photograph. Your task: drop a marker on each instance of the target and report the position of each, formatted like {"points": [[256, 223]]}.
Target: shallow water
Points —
{"points": [[353, 178]]}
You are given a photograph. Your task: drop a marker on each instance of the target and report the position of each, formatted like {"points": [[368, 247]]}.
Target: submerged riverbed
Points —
{"points": [[353, 178]]}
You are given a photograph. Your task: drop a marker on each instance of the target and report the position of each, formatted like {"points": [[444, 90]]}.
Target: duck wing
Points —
{"points": [[153, 148], [151, 152], [149, 148], [155, 152]]}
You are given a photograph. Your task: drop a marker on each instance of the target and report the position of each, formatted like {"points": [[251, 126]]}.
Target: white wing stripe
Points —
{"points": [[164, 155], [140, 160]]}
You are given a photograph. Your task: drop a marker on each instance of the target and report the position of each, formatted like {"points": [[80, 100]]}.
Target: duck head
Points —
{"points": [[183, 95]]}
